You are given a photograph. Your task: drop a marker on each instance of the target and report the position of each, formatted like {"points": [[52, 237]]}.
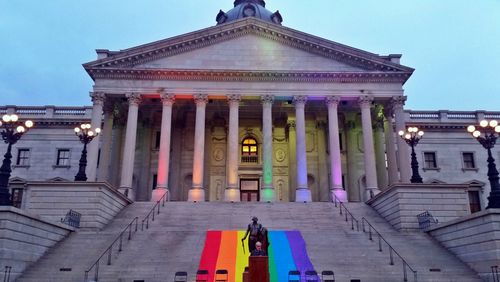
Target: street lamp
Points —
{"points": [[12, 131], [487, 135], [411, 137], [86, 135]]}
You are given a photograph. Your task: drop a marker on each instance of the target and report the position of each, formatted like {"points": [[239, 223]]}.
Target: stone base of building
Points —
{"points": [[196, 195], [232, 195], [401, 203], [25, 238], [303, 195], [158, 193], [97, 202], [474, 239]]}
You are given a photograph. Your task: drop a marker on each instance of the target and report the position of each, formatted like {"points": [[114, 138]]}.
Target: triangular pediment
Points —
{"points": [[246, 45], [249, 52]]}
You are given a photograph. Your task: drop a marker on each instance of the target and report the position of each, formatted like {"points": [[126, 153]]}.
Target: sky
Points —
{"points": [[454, 45]]}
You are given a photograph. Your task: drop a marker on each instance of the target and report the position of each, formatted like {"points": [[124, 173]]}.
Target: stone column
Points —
{"points": [[167, 100], [302, 194], [93, 151], [197, 192], [323, 193], [378, 134], [292, 164], [107, 141], [334, 143], [365, 102], [390, 145], [134, 100], [267, 194], [354, 169], [403, 152], [232, 193]]}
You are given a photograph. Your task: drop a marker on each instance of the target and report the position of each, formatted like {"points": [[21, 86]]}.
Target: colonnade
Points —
{"points": [[232, 192]]}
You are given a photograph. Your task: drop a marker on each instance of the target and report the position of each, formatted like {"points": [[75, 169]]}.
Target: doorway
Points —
{"points": [[249, 190]]}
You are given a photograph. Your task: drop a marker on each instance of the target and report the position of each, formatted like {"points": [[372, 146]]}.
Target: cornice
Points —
{"points": [[253, 76], [195, 40]]}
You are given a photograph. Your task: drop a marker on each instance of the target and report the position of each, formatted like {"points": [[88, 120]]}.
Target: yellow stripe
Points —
{"points": [[241, 258]]}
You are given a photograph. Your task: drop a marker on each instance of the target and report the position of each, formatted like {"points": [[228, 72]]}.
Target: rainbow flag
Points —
{"points": [[223, 250]]}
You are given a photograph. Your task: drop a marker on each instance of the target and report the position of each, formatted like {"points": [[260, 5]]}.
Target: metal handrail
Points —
{"points": [[346, 212], [109, 250], [152, 211], [391, 249], [494, 273], [6, 275]]}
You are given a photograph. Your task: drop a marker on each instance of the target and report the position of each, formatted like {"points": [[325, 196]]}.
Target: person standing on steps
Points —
{"points": [[253, 230]]}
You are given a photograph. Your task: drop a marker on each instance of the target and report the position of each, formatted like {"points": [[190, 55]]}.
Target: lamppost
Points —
{"points": [[487, 136], [86, 135], [11, 133], [411, 137]]}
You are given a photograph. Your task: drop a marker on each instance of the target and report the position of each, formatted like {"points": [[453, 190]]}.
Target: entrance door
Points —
{"points": [[249, 190]]}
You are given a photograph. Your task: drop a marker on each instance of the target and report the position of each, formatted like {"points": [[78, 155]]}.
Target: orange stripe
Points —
{"points": [[227, 253]]}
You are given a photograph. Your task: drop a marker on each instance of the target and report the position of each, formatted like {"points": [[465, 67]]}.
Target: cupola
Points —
{"points": [[249, 8]]}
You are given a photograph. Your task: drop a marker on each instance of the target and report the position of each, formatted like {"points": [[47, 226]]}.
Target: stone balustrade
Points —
{"points": [[47, 112], [466, 117]]}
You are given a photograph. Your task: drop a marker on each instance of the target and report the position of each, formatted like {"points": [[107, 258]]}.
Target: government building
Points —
{"points": [[249, 110]]}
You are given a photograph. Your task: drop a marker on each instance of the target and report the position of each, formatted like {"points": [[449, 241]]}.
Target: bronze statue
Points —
{"points": [[254, 229]]}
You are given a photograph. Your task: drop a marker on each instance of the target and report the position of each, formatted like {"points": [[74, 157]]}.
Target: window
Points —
{"points": [[23, 157], [249, 151], [430, 160], [468, 159], [63, 157], [474, 201]]}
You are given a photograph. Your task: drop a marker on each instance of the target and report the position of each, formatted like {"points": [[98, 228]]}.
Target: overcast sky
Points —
{"points": [[454, 45]]}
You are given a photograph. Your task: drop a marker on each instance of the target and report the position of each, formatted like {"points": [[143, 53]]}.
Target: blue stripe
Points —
{"points": [[283, 259]]}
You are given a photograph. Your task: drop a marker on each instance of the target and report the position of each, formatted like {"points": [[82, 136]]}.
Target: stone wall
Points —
{"points": [[475, 239], [401, 203], [25, 238], [98, 202]]}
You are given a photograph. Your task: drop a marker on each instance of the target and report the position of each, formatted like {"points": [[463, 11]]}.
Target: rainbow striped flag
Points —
{"points": [[223, 250]]}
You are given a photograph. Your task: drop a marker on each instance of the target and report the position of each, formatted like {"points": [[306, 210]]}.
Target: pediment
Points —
{"points": [[246, 45], [249, 53]]}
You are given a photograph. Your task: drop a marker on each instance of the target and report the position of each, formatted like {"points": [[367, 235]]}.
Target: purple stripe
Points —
{"points": [[299, 252]]}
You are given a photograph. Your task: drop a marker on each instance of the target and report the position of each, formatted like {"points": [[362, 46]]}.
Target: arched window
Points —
{"points": [[249, 150]]}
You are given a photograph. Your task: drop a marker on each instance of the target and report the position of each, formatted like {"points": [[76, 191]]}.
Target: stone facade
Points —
{"points": [[176, 114]]}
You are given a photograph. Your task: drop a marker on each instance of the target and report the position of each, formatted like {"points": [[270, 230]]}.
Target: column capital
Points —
{"points": [[398, 102], [98, 98], [167, 99], [332, 100], [291, 125], [388, 112], [267, 99], [233, 99], [299, 100], [365, 101], [200, 99], [321, 124], [134, 99]]}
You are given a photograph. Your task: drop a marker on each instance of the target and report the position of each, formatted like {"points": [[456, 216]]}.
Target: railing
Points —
{"points": [[492, 115], [461, 115], [424, 115], [494, 273], [250, 159], [71, 112], [6, 274], [153, 211], [31, 111], [391, 249], [347, 213], [109, 250]]}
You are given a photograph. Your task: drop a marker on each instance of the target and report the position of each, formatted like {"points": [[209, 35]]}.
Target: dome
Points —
{"points": [[249, 8]]}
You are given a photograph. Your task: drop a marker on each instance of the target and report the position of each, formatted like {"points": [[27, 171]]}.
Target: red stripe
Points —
{"points": [[210, 253]]}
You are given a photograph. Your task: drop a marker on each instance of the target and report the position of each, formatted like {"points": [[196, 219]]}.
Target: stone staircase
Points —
{"points": [[174, 242]]}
